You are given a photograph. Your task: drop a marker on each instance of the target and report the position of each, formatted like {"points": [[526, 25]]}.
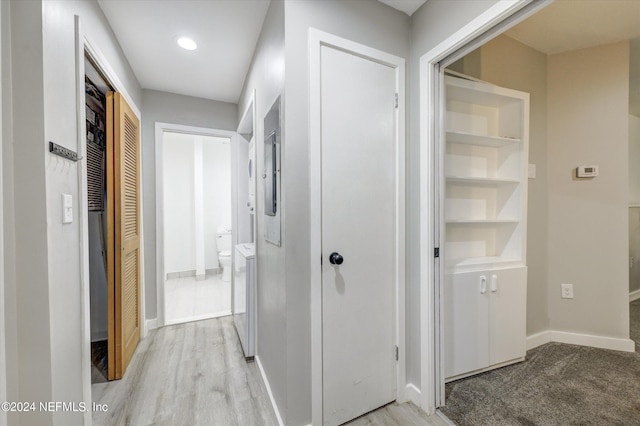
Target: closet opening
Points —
{"points": [[100, 228], [569, 311]]}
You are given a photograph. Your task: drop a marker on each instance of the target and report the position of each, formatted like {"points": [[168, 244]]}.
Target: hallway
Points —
{"points": [[187, 374], [194, 374]]}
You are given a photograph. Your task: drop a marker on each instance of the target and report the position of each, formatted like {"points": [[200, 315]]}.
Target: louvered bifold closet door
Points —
{"points": [[127, 231]]}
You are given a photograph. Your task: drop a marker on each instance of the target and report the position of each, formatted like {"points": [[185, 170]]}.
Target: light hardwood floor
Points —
{"points": [[398, 415], [189, 300], [195, 374], [187, 374]]}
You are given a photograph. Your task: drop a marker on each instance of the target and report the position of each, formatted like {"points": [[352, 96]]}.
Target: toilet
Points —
{"points": [[223, 244]]}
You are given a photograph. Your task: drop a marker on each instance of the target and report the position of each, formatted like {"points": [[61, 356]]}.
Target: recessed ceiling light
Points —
{"points": [[187, 43]]}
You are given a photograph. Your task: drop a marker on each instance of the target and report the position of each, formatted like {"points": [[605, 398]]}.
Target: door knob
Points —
{"points": [[336, 258]]}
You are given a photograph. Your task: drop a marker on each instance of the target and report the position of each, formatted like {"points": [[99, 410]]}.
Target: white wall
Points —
{"points": [[179, 203], [634, 200], [179, 198], [175, 109], [244, 220], [3, 352], [634, 77], [9, 271], [217, 193], [588, 100], [634, 160], [46, 360], [266, 77], [430, 25], [31, 272]]}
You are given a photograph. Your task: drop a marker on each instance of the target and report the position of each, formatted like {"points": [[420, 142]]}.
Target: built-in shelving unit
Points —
{"points": [[485, 170], [485, 173]]}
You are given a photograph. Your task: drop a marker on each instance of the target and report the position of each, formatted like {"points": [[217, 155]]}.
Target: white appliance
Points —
{"points": [[244, 297]]}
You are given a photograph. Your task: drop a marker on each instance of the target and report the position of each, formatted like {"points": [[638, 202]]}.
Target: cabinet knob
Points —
{"points": [[494, 283], [483, 284]]}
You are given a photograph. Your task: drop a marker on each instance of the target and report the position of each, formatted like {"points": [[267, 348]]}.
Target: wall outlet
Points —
{"points": [[567, 291]]}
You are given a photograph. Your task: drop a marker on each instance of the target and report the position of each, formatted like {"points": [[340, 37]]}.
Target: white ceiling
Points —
{"points": [[568, 25], [226, 33], [406, 6]]}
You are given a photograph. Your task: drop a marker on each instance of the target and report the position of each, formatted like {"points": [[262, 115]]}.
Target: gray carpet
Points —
{"points": [[558, 384]]}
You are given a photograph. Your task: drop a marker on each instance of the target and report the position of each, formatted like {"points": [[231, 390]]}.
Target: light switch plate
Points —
{"points": [[532, 171], [67, 208]]}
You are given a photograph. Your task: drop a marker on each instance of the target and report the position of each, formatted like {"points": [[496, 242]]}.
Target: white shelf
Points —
{"points": [[482, 260], [468, 180], [482, 140], [485, 174], [481, 221]]}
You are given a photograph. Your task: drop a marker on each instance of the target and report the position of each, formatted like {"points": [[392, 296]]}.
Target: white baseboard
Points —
{"points": [[602, 342], [152, 324], [634, 295], [265, 381], [538, 339], [414, 394]]}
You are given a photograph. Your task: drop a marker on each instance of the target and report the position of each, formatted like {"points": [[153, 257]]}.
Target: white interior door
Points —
{"points": [[359, 204]]}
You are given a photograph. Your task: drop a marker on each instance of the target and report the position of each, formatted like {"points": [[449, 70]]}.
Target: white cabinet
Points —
{"points": [[485, 172], [485, 320]]}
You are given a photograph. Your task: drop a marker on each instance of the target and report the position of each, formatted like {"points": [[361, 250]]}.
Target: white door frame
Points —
{"points": [[250, 111], [84, 45], [317, 39], [161, 128], [493, 22]]}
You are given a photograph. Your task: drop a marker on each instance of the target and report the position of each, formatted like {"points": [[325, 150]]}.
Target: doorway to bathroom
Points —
{"points": [[194, 221]]}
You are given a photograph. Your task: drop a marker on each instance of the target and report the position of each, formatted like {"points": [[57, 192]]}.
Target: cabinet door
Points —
{"points": [[508, 314], [466, 331]]}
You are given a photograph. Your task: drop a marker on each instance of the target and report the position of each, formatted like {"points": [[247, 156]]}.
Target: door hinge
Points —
{"points": [[437, 252], [396, 100], [396, 353]]}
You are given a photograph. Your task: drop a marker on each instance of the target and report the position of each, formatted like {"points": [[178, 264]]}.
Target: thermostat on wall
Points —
{"points": [[587, 171]]}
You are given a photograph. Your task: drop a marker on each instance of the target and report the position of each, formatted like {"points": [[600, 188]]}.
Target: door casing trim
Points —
{"points": [[160, 129], [317, 39]]}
